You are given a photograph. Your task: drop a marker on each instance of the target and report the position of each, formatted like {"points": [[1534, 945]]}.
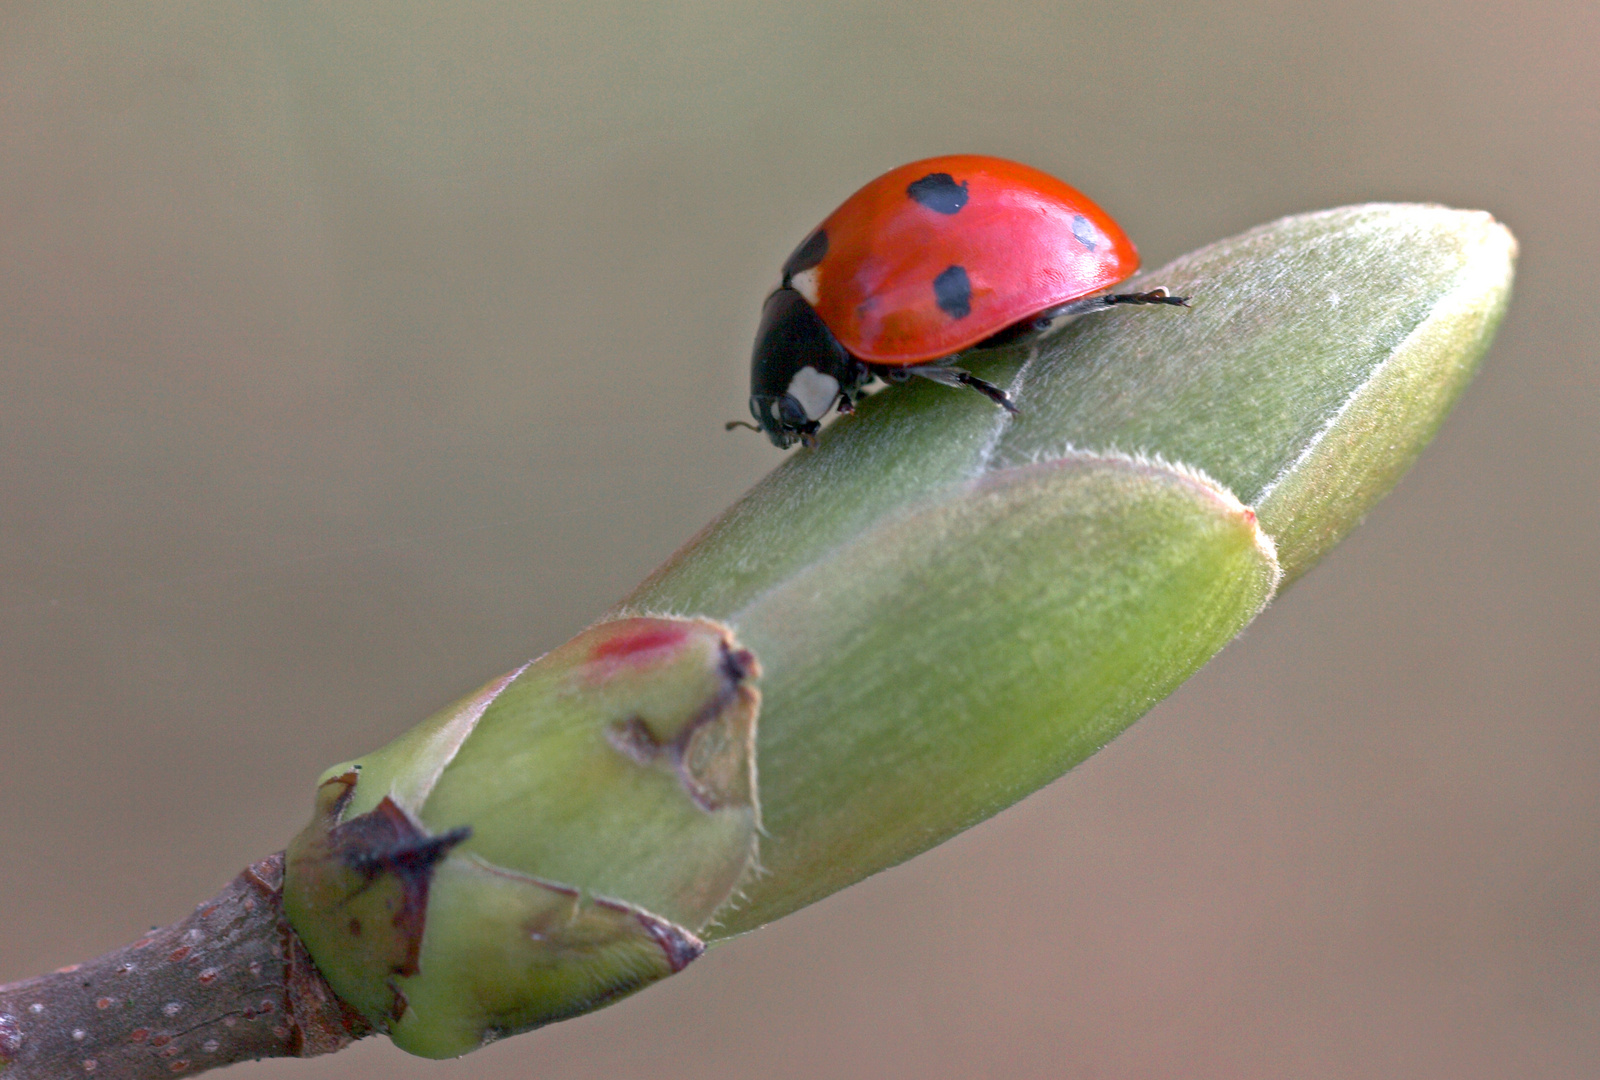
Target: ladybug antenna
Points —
{"points": [[731, 424]]}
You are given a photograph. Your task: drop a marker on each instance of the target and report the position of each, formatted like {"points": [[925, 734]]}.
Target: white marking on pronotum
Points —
{"points": [[815, 391], [805, 283]]}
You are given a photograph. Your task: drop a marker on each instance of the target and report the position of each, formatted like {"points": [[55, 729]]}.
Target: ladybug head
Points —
{"points": [[798, 370], [783, 418]]}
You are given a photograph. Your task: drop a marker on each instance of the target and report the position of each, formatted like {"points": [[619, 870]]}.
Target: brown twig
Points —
{"points": [[231, 982]]}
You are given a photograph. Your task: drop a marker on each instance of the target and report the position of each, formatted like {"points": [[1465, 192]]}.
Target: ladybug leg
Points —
{"points": [[853, 386], [1154, 296], [1052, 318], [1100, 303], [988, 390], [946, 375]]}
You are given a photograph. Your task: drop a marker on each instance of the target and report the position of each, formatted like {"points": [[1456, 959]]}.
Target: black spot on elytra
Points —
{"points": [[1085, 231], [807, 255], [939, 192], [953, 291]]}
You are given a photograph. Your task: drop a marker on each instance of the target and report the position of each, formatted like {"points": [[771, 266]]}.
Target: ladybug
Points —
{"points": [[928, 260]]}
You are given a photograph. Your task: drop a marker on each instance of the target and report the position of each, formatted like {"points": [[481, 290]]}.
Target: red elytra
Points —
{"points": [[1025, 240]]}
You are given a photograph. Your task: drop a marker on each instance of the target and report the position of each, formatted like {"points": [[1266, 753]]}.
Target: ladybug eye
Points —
{"points": [[790, 411]]}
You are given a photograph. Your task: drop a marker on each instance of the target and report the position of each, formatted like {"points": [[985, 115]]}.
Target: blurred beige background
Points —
{"points": [[352, 354]]}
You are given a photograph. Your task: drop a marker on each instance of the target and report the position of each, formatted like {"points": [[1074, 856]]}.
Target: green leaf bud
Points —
{"points": [[550, 843]]}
